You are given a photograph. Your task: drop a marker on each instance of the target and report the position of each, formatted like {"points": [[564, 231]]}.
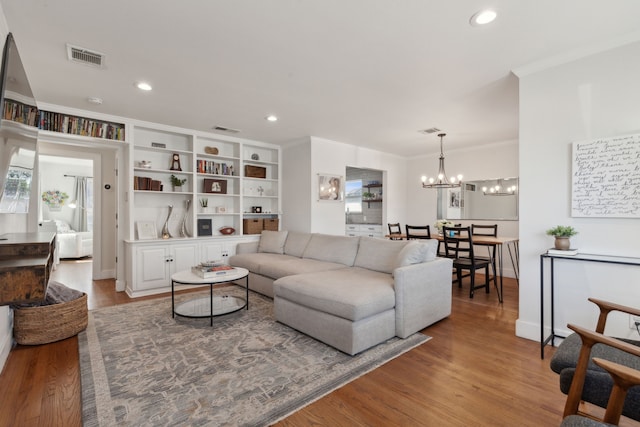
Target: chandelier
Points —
{"points": [[441, 181], [499, 190]]}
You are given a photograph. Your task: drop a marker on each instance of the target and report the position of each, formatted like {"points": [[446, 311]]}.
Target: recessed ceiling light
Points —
{"points": [[271, 118], [143, 86], [94, 100], [482, 17]]}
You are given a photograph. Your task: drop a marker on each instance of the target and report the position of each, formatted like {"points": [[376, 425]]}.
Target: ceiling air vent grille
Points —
{"points": [[225, 129], [85, 56], [430, 130]]}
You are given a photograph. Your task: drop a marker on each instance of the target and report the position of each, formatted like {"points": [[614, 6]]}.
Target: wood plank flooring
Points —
{"points": [[473, 372]]}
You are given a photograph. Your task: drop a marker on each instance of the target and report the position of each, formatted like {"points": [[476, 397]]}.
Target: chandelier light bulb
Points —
{"points": [[431, 180], [453, 179], [424, 178], [484, 189]]}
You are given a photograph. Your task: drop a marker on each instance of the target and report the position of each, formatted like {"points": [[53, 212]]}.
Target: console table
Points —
{"points": [[607, 259], [26, 260]]}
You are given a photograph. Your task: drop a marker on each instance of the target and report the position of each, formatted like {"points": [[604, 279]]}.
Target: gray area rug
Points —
{"points": [[141, 367]]}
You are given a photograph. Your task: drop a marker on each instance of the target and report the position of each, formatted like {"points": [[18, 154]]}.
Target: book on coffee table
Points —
{"points": [[209, 272]]}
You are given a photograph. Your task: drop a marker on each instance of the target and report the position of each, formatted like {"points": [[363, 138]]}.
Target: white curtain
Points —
{"points": [[80, 212]]}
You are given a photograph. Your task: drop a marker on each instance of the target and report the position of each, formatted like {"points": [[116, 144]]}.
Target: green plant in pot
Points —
{"points": [[562, 233], [368, 196], [177, 183]]}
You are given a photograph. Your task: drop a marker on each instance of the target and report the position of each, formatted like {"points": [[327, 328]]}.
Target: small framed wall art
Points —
{"points": [[204, 227], [330, 187], [146, 230], [218, 186]]}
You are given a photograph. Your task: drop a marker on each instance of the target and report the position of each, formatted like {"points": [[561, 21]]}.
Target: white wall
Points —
{"points": [[490, 161], [585, 99], [324, 156], [296, 182]]}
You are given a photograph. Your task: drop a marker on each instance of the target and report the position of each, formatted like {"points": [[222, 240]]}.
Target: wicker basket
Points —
{"points": [[49, 323], [252, 226], [271, 224]]}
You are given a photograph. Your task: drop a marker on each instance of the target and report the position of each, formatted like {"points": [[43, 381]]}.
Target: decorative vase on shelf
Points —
{"points": [[562, 243], [183, 228], [165, 227]]}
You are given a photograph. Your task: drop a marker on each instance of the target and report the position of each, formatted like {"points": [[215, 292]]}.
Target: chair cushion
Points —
{"points": [[325, 247], [296, 243], [272, 241], [598, 382], [378, 254]]}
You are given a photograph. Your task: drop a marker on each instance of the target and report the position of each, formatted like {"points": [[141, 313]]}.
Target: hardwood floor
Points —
{"points": [[473, 372]]}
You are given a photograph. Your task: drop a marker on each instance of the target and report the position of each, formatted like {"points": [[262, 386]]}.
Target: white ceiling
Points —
{"points": [[363, 72]]}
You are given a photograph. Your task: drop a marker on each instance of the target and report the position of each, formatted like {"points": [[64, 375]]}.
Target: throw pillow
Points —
{"points": [[272, 241], [417, 251]]}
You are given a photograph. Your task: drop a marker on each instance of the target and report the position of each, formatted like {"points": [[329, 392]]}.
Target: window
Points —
{"points": [[353, 199]]}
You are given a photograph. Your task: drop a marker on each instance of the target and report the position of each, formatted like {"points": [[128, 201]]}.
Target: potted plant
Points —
{"points": [[176, 182], [204, 204], [368, 196], [562, 233]]}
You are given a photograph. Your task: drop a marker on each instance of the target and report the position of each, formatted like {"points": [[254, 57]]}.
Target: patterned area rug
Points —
{"points": [[141, 367]]}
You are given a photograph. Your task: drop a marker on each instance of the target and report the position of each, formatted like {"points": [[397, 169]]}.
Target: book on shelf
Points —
{"points": [[565, 252], [209, 272]]}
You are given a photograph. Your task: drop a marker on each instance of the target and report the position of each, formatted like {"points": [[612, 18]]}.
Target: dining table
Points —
{"points": [[512, 244]]}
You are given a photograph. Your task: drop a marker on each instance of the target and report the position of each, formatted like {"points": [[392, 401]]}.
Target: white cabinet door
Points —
{"points": [[211, 251], [153, 266], [183, 258]]}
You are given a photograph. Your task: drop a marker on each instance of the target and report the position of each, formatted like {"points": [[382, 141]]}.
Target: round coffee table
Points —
{"points": [[211, 306]]}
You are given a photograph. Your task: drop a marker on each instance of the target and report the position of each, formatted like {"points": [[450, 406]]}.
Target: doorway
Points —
{"points": [[60, 166]]}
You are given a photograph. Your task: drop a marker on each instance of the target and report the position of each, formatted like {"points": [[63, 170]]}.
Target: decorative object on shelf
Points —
{"points": [[177, 183], [211, 150], [368, 196], [158, 145], [54, 199], [256, 209], [499, 190], [251, 171], [330, 187], [165, 228], [227, 230], [562, 233], [441, 181], [175, 162], [183, 227], [145, 164], [221, 209], [442, 223], [255, 156], [204, 204], [260, 190], [204, 227], [215, 186], [146, 230]]}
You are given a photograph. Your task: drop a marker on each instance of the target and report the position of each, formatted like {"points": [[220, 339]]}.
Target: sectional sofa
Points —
{"points": [[349, 292]]}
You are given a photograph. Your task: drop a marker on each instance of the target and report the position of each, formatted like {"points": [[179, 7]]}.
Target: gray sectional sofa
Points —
{"points": [[349, 292]]}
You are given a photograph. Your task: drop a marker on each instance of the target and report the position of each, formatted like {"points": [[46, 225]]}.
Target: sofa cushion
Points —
{"points": [[289, 266], [417, 251], [378, 254], [350, 293], [325, 247], [272, 241], [296, 243], [254, 261]]}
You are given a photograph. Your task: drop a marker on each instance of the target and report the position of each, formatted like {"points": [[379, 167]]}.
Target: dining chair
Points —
{"points": [[394, 229], [417, 232], [491, 231], [458, 244]]}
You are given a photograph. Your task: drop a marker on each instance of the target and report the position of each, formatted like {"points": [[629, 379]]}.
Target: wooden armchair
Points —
{"points": [[623, 378], [581, 379]]}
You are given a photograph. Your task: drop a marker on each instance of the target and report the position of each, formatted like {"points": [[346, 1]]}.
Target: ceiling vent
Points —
{"points": [[224, 129], [85, 56], [430, 130]]}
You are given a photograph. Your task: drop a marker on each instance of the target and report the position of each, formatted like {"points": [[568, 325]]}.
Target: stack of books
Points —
{"points": [[565, 252], [207, 272]]}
